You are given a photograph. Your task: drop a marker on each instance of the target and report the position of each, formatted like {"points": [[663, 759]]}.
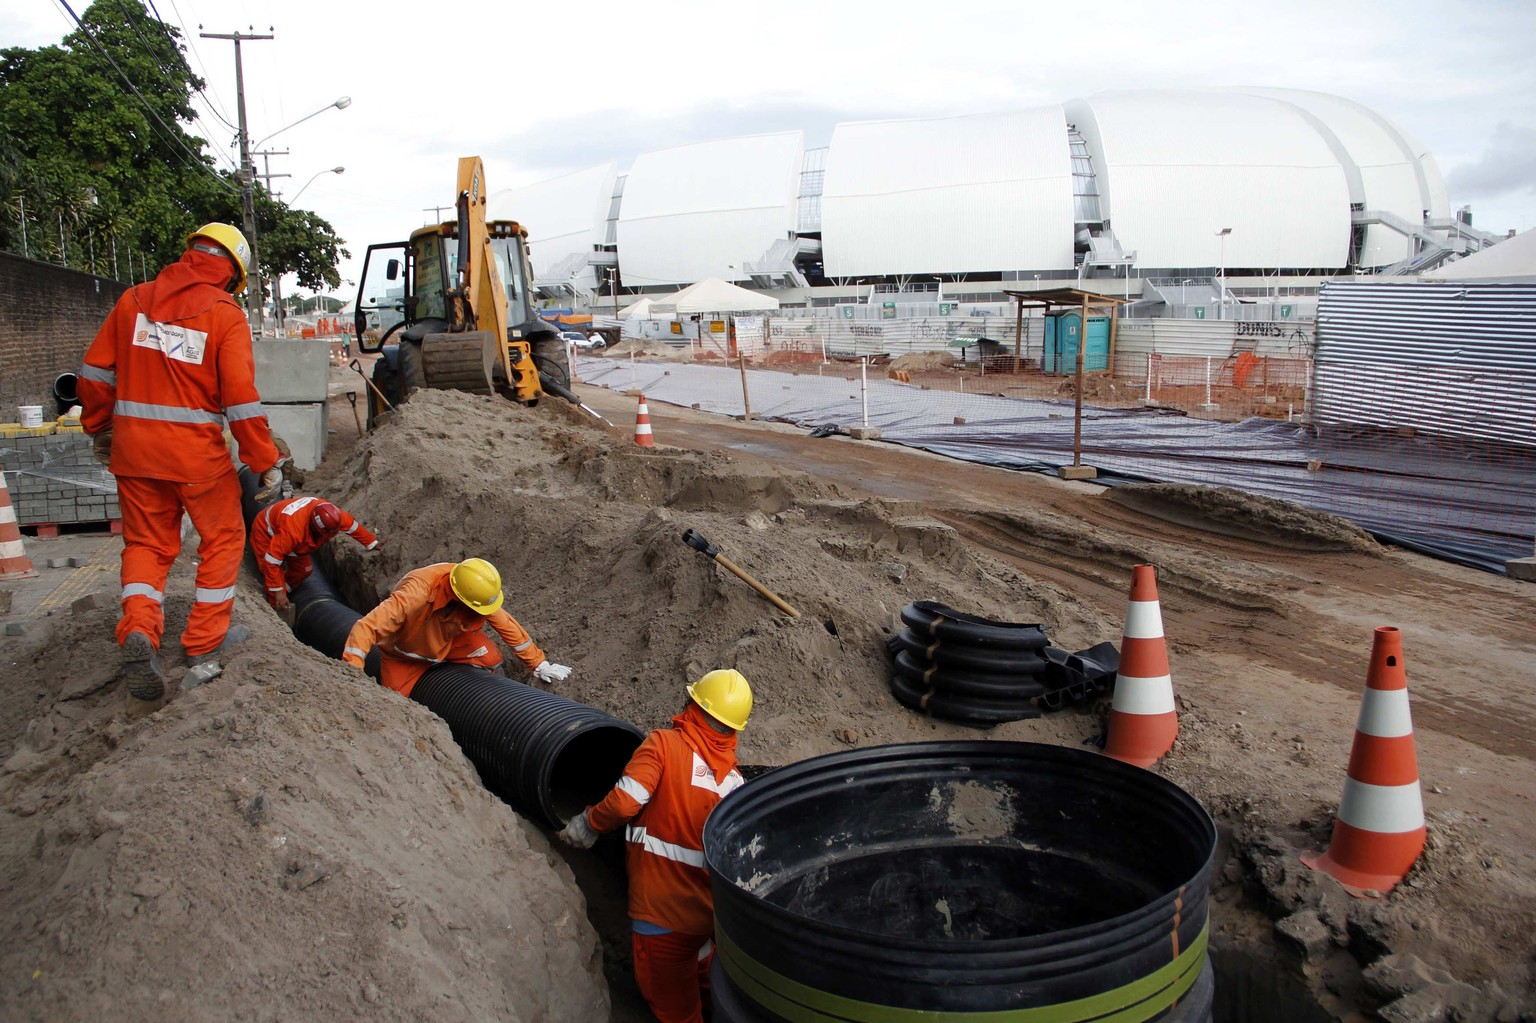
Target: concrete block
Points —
{"points": [[1077, 472], [303, 427], [864, 432], [291, 371], [85, 603], [15, 628], [1523, 569]]}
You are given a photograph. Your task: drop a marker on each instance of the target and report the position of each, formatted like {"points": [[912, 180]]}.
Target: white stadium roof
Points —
{"points": [[948, 195], [692, 211], [1166, 171]]}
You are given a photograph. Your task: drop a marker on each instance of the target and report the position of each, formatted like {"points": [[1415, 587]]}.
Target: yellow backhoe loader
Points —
{"points": [[452, 308]]}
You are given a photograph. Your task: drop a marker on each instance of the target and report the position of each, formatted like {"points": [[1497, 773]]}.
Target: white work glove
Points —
{"points": [[577, 833], [271, 481], [548, 671]]}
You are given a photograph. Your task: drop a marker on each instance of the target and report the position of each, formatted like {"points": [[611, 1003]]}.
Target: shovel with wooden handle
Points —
{"points": [[356, 366], [693, 538]]}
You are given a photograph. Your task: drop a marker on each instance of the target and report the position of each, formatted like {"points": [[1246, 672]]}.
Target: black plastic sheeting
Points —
{"points": [[1431, 496]]}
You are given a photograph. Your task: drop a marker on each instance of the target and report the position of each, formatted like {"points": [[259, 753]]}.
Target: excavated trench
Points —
{"points": [[1241, 983]]}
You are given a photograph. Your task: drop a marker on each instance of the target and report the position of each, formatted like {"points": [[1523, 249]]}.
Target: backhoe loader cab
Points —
{"points": [[453, 309]]}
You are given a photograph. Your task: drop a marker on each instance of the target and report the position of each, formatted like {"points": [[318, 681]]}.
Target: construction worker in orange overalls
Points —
{"points": [[437, 615], [285, 534], [667, 791], [169, 366]]}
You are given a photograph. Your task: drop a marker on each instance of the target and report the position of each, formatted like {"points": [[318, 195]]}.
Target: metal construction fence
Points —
{"points": [[1467, 500]]}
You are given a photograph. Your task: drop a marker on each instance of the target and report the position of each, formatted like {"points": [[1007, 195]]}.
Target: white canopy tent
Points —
{"points": [[712, 295], [641, 309]]}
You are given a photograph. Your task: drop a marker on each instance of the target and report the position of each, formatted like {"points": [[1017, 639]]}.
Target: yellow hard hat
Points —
{"points": [[476, 583], [229, 238], [725, 695]]}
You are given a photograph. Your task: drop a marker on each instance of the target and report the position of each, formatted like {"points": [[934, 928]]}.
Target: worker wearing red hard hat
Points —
{"points": [[169, 367], [285, 534], [668, 790]]}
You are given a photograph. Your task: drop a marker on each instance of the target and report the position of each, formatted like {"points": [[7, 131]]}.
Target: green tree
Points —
{"points": [[96, 155]]}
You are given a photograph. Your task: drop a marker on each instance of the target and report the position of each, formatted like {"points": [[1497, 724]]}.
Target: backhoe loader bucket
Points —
{"points": [[459, 362]]}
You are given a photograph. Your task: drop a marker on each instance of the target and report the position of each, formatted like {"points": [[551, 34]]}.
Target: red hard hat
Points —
{"points": [[325, 519]]}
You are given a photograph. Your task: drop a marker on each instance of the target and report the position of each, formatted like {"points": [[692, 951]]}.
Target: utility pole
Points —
{"points": [[247, 185], [266, 179]]}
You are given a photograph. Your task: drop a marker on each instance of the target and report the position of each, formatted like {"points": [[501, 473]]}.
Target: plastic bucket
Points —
{"points": [[985, 880], [31, 415]]}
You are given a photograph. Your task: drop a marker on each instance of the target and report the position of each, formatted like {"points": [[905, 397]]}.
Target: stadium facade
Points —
{"points": [[1128, 190]]}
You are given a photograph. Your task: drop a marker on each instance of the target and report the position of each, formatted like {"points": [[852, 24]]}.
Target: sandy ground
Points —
{"points": [[143, 872]]}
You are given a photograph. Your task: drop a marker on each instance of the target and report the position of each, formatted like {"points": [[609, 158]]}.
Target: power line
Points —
{"points": [[149, 49], [167, 134], [208, 92]]}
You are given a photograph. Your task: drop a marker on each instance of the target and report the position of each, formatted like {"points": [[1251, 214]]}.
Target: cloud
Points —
{"points": [[1508, 164]]}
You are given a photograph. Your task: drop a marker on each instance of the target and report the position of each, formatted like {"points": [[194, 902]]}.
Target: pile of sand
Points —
{"points": [[923, 362], [646, 348], [293, 841]]}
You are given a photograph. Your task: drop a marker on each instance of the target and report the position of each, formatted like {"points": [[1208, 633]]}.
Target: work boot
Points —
{"points": [[206, 667], [141, 668]]}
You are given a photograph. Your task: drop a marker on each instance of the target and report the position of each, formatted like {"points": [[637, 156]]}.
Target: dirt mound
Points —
{"points": [[586, 529], [646, 348], [1234, 513], [293, 841], [922, 362], [290, 841]]}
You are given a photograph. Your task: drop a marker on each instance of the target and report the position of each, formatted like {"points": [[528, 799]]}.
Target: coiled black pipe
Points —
{"points": [[929, 618], [961, 878], [546, 755]]}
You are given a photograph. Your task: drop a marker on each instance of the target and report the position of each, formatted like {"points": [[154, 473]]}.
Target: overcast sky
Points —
{"points": [[539, 90]]}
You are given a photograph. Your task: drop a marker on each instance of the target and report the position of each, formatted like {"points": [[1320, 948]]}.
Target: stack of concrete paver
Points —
{"points": [[53, 477]]}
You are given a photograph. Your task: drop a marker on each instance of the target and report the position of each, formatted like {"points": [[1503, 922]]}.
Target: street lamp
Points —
{"points": [[1221, 310], [339, 104], [613, 283], [311, 181], [941, 288], [248, 204]]}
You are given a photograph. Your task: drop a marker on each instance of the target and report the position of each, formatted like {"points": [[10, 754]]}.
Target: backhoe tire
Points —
{"points": [[412, 374], [552, 359]]}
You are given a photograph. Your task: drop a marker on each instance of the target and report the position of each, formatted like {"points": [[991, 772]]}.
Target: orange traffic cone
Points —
{"points": [[14, 563], [643, 426], [1142, 721], [1380, 829]]}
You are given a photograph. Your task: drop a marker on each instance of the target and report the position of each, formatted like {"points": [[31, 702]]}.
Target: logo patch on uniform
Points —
{"points": [[172, 341], [698, 769]]}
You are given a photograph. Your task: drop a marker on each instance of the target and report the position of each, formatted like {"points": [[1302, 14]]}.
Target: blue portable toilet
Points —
{"points": [[1063, 332]]}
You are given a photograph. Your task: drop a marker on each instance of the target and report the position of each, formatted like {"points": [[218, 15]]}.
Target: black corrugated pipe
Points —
{"points": [[961, 879], [540, 752], [544, 754]]}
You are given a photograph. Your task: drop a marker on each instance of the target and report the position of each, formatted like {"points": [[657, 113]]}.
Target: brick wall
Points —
{"points": [[48, 316]]}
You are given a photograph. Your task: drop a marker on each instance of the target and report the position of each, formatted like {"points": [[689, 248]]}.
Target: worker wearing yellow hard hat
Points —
{"points": [[168, 369], [438, 614], [667, 792]]}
